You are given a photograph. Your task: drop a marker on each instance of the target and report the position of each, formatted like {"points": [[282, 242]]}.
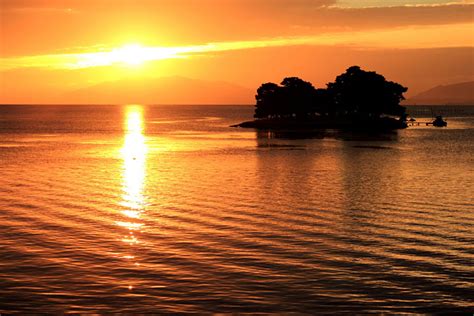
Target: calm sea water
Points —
{"points": [[137, 209]]}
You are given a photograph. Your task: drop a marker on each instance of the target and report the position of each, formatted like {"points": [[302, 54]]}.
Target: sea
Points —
{"points": [[136, 209]]}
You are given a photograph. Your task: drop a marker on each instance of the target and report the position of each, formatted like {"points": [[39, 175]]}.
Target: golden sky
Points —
{"points": [[71, 51]]}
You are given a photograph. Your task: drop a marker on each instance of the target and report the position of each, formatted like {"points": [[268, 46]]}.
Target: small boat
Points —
{"points": [[439, 122]]}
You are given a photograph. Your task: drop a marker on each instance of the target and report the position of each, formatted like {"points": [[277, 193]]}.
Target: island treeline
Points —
{"points": [[356, 96]]}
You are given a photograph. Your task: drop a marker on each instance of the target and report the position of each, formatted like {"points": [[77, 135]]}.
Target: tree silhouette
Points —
{"points": [[366, 93], [294, 97], [298, 97], [268, 100], [355, 93]]}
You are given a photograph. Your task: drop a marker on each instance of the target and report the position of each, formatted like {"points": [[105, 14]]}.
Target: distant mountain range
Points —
{"points": [[182, 90], [453, 94], [163, 90]]}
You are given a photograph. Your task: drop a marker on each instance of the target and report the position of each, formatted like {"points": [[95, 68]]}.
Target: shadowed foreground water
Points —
{"points": [[167, 209]]}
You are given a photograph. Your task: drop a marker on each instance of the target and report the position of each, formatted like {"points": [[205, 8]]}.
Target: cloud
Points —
{"points": [[396, 3], [186, 22], [277, 14], [27, 10], [26, 7], [252, 5], [387, 17], [425, 37]]}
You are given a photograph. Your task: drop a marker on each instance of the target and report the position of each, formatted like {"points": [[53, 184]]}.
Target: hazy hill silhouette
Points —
{"points": [[163, 90], [453, 94]]}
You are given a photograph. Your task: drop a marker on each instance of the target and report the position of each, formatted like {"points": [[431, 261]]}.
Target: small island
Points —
{"points": [[357, 99]]}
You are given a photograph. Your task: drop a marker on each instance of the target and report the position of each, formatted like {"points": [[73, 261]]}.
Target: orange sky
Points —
{"points": [[63, 51]]}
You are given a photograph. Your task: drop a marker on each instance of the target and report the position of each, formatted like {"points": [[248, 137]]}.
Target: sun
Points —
{"points": [[131, 54]]}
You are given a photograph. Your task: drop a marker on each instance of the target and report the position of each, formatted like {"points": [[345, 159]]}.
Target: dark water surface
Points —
{"points": [[166, 209]]}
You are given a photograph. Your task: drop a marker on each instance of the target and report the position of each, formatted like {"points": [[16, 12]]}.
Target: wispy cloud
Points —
{"points": [[350, 4], [37, 10], [421, 37]]}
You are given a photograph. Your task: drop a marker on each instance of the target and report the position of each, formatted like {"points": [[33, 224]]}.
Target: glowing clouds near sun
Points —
{"points": [[131, 55], [134, 55]]}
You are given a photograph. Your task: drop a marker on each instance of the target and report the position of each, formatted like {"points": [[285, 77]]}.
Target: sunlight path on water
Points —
{"points": [[134, 155]]}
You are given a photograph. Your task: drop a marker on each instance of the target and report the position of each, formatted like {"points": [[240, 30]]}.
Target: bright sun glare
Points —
{"points": [[132, 54]]}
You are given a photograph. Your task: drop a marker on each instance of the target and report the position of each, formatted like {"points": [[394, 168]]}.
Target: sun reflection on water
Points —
{"points": [[134, 155], [134, 152]]}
